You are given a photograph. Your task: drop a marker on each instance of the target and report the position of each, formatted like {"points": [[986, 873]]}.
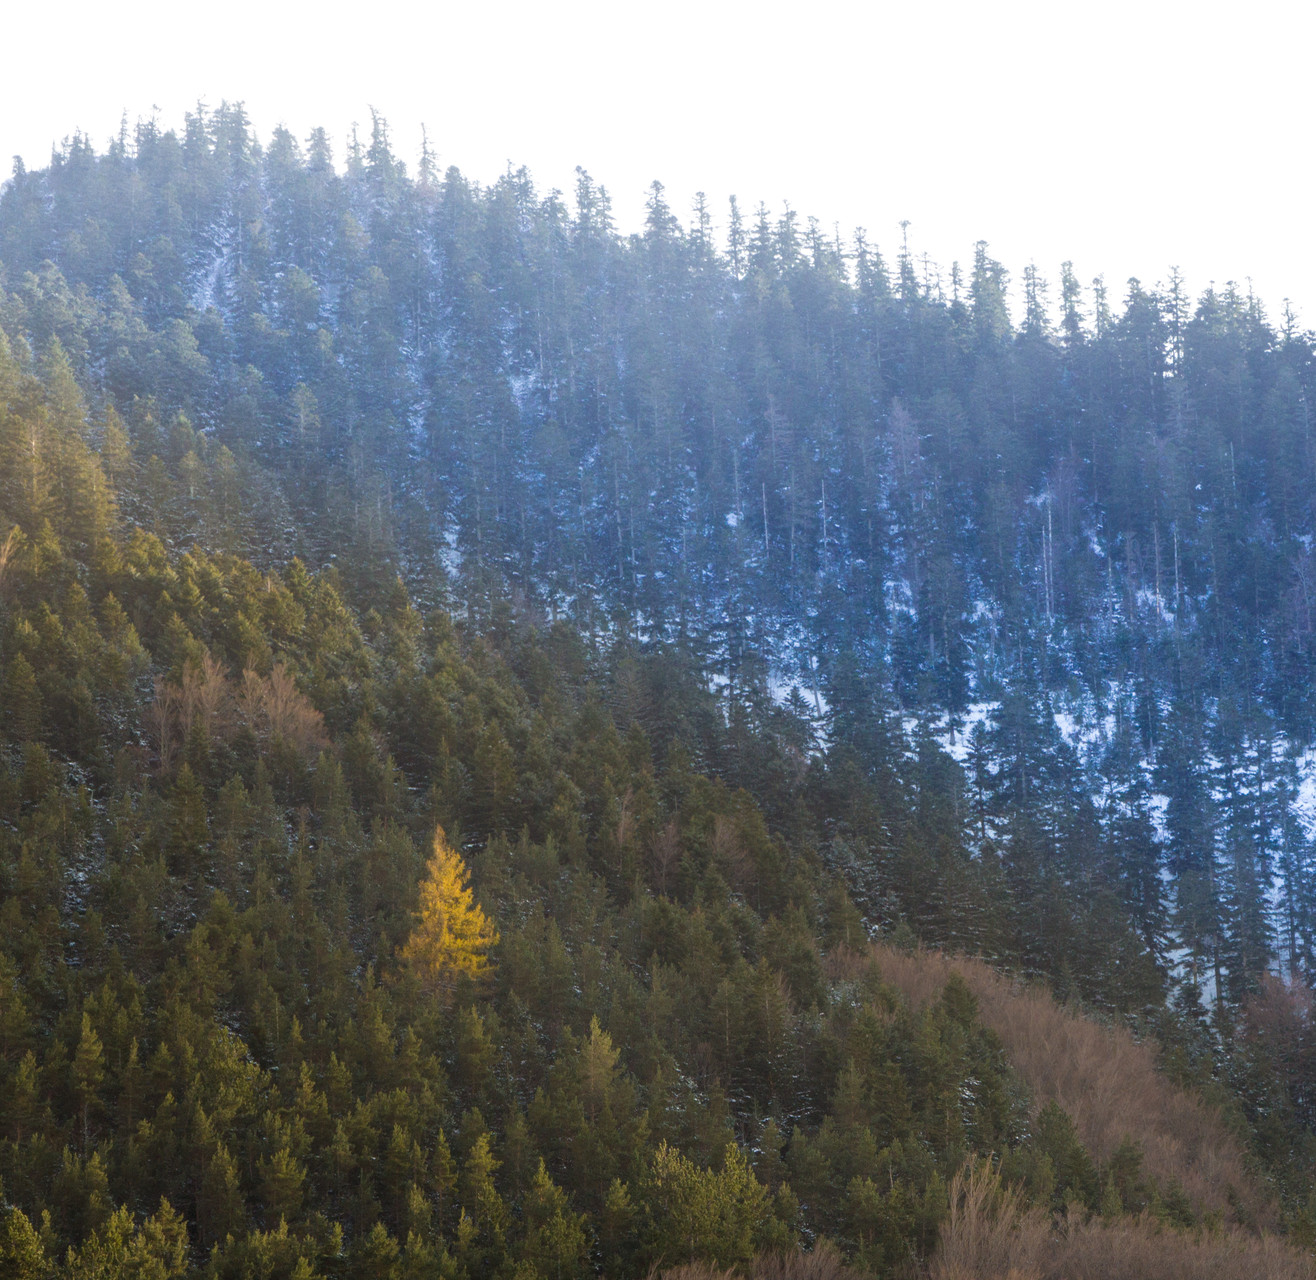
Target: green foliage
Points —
{"points": [[427, 522], [22, 1251], [719, 1216]]}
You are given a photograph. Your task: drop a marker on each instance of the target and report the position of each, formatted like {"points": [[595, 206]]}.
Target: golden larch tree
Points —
{"points": [[453, 936]]}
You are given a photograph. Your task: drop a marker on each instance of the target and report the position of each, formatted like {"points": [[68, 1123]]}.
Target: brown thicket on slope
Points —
{"points": [[990, 1235], [205, 700], [1104, 1079]]}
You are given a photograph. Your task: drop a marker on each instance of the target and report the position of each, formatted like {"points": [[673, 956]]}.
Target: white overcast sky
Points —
{"points": [[1124, 136]]}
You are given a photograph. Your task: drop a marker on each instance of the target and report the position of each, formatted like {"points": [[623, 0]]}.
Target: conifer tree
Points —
{"points": [[453, 936]]}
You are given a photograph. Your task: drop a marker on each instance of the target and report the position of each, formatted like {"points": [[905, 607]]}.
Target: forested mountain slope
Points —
{"points": [[725, 595], [217, 786]]}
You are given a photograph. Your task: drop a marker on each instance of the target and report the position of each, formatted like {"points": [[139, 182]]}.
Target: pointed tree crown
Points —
{"points": [[453, 935]]}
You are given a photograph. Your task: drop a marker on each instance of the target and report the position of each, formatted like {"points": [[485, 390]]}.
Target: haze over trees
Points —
{"points": [[729, 593]]}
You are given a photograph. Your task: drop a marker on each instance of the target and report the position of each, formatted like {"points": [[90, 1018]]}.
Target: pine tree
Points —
{"points": [[21, 707], [22, 1254], [453, 936], [88, 1074]]}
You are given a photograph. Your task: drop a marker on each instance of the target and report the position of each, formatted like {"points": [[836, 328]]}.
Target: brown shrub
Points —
{"points": [[823, 1263], [202, 696], [270, 706], [846, 964], [696, 1271], [729, 852], [665, 853], [8, 550], [1141, 1249], [988, 1231], [1105, 1079], [988, 1235], [274, 709], [161, 722]]}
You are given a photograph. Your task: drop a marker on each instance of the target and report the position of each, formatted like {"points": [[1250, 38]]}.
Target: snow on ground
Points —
{"points": [[521, 385], [1150, 600], [953, 732], [1157, 804], [899, 598], [1304, 804], [780, 687], [208, 286], [450, 555], [1068, 726]]}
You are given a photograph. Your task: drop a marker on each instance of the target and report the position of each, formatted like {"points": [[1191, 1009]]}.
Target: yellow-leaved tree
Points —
{"points": [[453, 936]]}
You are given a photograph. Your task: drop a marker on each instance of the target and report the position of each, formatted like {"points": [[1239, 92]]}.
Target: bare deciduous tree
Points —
{"points": [[665, 851]]}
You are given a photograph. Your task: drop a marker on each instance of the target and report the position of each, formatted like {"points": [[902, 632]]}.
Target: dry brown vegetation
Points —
{"points": [[206, 699], [990, 1235], [1105, 1079], [824, 1263], [7, 550]]}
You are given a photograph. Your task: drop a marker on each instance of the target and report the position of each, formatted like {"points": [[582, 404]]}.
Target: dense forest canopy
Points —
{"points": [[727, 593]]}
